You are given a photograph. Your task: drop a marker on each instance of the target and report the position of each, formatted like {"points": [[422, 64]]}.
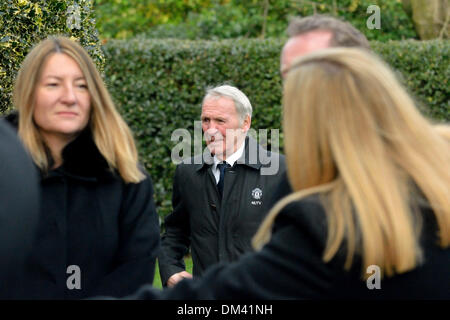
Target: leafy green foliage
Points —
{"points": [[425, 70], [159, 85], [395, 23], [122, 19], [23, 23], [224, 19]]}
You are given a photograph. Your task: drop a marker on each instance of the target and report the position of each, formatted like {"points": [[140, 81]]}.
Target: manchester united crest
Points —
{"points": [[257, 195]]}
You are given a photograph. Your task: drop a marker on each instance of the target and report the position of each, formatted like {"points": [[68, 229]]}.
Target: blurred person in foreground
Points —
{"points": [[306, 35], [370, 206], [19, 207], [98, 231]]}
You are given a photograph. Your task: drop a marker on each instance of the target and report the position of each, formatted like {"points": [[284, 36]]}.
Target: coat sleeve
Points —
{"points": [[139, 242], [176, 238], [290, 266]]}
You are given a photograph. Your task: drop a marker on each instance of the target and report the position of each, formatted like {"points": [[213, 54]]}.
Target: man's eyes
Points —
{"points": [[216, 120]]}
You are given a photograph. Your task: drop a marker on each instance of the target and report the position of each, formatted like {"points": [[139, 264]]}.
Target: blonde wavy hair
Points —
{"points": [[111, 134], [354, 136]]}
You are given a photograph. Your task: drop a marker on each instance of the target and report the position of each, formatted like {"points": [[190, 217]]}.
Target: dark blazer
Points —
{"points": [[290, 266], [92, 220], [217, 229], [19, 205]]}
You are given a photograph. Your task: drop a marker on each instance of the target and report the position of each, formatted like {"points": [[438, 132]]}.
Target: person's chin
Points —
{"points": [[216, 149], [70, 130]]}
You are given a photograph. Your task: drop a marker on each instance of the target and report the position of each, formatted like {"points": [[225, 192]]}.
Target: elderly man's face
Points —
{"points": [[224, 132], [303, 44]]}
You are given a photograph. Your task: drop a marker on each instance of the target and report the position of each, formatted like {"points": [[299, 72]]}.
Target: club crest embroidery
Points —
{"points": [[257, 195]]}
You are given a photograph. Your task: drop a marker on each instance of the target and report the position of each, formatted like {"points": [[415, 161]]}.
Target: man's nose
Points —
{"points": [[212, 131], [211, 127]]}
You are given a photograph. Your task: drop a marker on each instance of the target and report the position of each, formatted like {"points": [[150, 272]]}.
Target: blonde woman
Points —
{"points": [[98, 231], [370, 213]]}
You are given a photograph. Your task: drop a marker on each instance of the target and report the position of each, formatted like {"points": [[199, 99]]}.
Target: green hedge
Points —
{"points": [[25, 22], [158, 86], [425, 69], [226, 19]]}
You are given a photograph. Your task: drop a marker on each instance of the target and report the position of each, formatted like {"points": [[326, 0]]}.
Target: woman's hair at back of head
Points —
{"points": [[110, 132], [354, 136]]}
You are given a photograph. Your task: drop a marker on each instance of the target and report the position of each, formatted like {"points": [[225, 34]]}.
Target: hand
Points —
{"points": [[177, 277]]}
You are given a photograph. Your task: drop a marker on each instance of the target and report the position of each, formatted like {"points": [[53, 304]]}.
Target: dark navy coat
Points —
{"points": [[217, 229]]}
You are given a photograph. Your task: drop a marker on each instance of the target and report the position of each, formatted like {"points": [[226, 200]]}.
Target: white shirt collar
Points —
{"points": [[231, 159]]}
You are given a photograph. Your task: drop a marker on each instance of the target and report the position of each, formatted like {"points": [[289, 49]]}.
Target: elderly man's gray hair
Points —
{"points": [[241, 102]]}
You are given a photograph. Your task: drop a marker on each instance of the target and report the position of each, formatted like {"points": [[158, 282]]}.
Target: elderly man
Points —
{"points": [[220, 197]]}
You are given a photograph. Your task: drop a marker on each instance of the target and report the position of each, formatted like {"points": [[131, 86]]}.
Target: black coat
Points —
{"points": [[290, 266], [93, 220], [282, 190], [19, 205], [217, 229]]}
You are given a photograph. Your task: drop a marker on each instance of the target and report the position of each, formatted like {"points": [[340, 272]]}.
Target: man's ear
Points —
{"points": [[247, 123]]}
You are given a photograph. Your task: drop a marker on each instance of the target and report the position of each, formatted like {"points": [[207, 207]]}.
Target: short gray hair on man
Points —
{"points": [[344, 34], [241, 102]]}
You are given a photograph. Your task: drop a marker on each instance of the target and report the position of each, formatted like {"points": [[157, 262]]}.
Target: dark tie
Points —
{"points": [[221, 166]]}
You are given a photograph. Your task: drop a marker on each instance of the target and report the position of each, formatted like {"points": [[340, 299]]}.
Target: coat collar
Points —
{"points": [[254, 156], [83, 160]]}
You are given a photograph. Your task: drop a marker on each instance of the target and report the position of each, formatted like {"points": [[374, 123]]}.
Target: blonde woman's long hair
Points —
{"points": [[354, 136], [111, 134]]}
